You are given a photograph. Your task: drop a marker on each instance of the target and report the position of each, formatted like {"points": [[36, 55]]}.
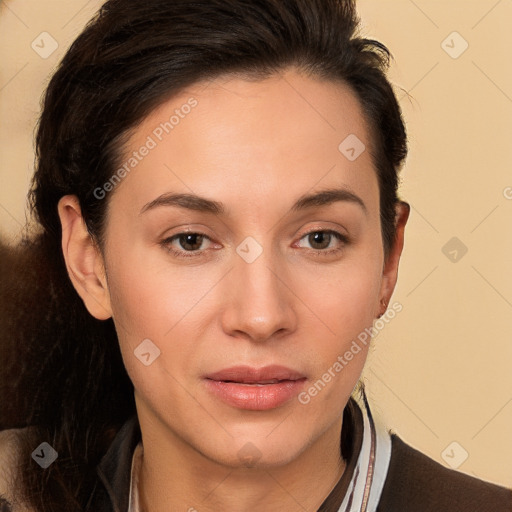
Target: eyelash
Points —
{"points": [[194, 254]]}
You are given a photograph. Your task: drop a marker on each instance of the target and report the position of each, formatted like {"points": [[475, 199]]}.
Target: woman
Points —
{"points": [[216, 187]]}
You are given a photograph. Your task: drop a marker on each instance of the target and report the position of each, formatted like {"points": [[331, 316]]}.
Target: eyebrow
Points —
{"points": [[201, 204]]}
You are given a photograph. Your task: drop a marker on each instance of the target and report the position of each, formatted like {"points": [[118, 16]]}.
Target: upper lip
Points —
{"points": [[250, 375]]}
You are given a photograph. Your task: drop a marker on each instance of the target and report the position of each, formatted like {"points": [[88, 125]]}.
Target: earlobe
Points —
{"points": [[390, 272], [83, 259]]}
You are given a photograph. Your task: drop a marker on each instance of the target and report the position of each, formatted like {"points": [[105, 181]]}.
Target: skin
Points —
{"points": [[256, 146]]}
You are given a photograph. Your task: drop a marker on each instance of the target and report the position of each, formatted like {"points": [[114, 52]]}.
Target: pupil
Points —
{"points": [[320, 235], [186, 239]]}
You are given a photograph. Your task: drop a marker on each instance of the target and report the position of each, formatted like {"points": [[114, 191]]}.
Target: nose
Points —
{"points": [[260, 305]]}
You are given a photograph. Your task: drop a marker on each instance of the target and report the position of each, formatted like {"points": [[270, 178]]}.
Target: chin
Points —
{"points": [[258, 451]]}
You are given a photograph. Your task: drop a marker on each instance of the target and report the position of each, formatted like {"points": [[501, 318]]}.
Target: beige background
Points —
{"points": [[441, 371]]}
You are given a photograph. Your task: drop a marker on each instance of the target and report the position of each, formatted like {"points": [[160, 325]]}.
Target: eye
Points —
{"points": [[320, 241], [190, 242]]}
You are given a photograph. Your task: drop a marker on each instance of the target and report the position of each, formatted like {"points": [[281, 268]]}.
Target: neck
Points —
{"points": [[176, 477]]}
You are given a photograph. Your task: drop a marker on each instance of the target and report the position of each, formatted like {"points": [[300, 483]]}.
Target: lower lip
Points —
{"points": [[255, 397]]}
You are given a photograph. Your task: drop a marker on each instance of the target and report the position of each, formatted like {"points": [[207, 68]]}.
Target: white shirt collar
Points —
{"points": [[365, 488]]}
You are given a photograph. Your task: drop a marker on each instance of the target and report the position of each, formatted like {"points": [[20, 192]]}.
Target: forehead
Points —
{"points": [[241, 140]]}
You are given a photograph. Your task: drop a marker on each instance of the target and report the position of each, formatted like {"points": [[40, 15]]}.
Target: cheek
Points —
{"points": [[153, 300], [344, 303], [345, 299], [150, 320], [149, 295]]}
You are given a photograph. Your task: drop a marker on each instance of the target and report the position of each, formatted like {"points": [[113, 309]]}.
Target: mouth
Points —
{"points": [[249, 375], [258, 383], [257, 389]]}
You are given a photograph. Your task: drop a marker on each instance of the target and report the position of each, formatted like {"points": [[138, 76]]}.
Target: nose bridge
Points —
{"points": [[260, 300]]}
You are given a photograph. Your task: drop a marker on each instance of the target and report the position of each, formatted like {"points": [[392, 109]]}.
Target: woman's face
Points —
{"points": [[225, 332]]}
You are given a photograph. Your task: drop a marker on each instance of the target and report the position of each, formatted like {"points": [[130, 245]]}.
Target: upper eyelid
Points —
{"points": [[198, 232]]}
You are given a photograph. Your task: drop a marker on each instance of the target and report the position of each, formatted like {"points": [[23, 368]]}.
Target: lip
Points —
{"points": [[255, 389]]}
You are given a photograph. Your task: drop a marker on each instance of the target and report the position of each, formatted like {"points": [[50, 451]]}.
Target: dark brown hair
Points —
{"points": [[63, 371]]}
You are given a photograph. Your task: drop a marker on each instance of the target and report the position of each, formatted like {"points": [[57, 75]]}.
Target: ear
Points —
{"points": [[83, 259], [390, 271]]}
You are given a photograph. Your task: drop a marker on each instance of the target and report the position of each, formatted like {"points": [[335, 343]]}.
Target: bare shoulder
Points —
{"points": [[9, 461]]}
